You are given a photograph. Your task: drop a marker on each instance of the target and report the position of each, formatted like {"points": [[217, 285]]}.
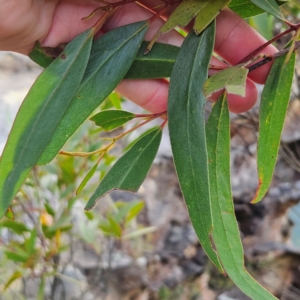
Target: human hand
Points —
{"points": [[57, 21]]}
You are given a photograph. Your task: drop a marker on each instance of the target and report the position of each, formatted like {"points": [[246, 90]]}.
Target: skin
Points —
{"points": [[52, 22]]}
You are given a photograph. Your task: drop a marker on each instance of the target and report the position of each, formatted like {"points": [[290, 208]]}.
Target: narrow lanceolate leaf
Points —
{"points": [[187, 131], [208, 13], [158, 63], [112, 119], [87, 178], [246, 9], [40, 114], [111, 58], [182, 15], [129, 172], [270, 6], [273, 107], [233, 80], [226, 235]]}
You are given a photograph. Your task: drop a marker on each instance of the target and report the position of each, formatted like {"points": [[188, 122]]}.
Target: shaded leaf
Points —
{"points": [[130, 170], [158, 63], [111, 58], [246, 9], [226, 234], [112, 119], [187, 131], [40, 114], [273, 107], [233, 80], [208, 13], [270, 6]]}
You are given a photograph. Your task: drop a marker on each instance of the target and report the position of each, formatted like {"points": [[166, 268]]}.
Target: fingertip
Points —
{"points": [[238, 104]]}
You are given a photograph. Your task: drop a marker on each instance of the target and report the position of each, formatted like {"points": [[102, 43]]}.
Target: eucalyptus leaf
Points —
{"points": [[158, 63], [273, 107], [181, 16], [226, 234], [187, 131], [232, 79], [129, 172], [40, 114], [270, 6], [246, 9], [208, 13], [112, 119], [111, 58]]}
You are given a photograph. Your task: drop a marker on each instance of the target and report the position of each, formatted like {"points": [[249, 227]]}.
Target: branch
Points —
{"points": [[270, 58]]}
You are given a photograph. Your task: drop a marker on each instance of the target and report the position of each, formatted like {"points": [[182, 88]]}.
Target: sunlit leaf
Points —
{"points": [[112, 119], [87, 177], [273, 107], [115, 227], [181, 16], [233, 80], [226, 234], [17, 227], [40, 114], [208, 13], [129, 172], [16, 275], [187, 131], [9, 214], [111, 58]]}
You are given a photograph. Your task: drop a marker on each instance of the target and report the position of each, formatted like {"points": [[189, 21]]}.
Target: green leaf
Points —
{"points": [[181, 16], [187, 131], [233, 80], [273, 107], [226, 235], [246, 9], [44, 56], [208, 13], [17, 227], [115, 227], [16, 275], [39, 116], [30, 242], [9, 214], [270, 6], [130, 170], [134, 211], [17, 257], [111, 58], [112, 119], [158, 63], [87, 177]]}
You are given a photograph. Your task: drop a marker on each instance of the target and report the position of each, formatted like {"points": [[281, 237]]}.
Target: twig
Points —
{"points": [[270, 58]]}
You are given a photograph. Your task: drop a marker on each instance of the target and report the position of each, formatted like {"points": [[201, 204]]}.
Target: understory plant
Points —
{"points": [[79, 76]]}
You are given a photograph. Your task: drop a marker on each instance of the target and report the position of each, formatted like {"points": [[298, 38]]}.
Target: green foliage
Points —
{"points": [[82, 77], [186, 107], [273, 107]]}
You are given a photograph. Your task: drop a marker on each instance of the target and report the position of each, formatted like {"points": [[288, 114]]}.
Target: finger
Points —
{"points": [[235, 39]]}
